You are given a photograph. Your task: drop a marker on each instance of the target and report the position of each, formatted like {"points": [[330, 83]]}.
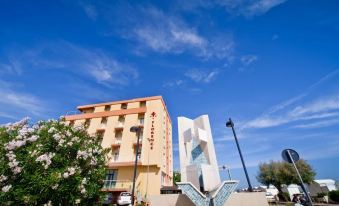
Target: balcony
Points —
{"points": [[135, 142], [115, 159], [117, 185], [116, 144], [119, 126], [101, 128], [141, 122]]}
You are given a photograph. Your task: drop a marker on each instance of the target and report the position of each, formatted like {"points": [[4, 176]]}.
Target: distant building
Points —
{"points": [[271, 189], [292, 189], [329, 184], [112, 122]]}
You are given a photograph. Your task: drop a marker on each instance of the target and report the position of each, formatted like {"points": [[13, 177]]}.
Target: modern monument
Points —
{"points": [[198, 164]]}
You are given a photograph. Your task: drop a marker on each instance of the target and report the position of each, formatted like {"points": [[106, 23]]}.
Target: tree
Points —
{"points": [[49, 163], [279, 173], [176, 177]]}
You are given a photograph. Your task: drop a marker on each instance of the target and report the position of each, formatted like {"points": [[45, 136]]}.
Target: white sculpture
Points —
{"points": [[200, 179]]}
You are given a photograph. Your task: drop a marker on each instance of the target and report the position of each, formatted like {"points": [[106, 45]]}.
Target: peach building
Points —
{"points": [[112, 121]]}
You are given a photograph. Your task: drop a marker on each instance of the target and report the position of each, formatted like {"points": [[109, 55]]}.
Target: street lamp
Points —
{"points": [[229, 123], [228, 168], [137, 130]]}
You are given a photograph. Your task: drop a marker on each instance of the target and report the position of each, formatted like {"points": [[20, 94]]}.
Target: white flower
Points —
{"points": [[71, 170], [66, 175], [52, 130], [61, 142], [14, 144], [6, 188], [75, 139], [13, 164], [3, 178], [45, 159], [33, 138], [57, 136], [77, 201], [17, 170], [49, 203], [55, 186], [84, 181], [93, 162], [83, 191], [70, 144], [82, 155]]}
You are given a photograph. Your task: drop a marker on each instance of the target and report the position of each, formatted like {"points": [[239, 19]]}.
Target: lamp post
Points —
{"points": [[229, 123], [228, 168], [137, 130]]}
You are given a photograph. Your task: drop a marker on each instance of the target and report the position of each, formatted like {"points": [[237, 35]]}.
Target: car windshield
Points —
{"points": [[125, 194]]}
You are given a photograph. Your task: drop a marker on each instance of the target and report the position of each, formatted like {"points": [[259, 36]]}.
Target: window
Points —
{"points": [[143, 104], [101, 134], [141, 118], [104, 120], [115, 154], [121, 121], [124, 106], [88, 110], [111, 178], [118, 135], [107, 108], [87, 122], [71, 123]]}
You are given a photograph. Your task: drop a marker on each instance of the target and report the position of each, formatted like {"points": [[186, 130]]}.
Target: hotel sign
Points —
{"points": [[151, 139]]}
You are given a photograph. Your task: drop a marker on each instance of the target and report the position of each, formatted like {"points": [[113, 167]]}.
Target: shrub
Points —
{"points": [[321, 194], [334, 195], [49, 163]]}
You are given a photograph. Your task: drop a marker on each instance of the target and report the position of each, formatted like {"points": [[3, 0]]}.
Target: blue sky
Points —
{"points": [[271, 65]]}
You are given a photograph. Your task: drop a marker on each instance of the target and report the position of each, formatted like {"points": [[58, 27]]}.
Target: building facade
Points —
{"points": [[112, 122]]}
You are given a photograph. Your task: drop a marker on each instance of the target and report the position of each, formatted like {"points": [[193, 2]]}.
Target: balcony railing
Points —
{"points": [[118, 185]]}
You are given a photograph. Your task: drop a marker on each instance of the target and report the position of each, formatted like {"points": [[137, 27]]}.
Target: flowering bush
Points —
{"points": [[49, 163]]}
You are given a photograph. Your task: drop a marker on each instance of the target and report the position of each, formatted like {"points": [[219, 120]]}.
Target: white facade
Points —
{"points": [[198, 161], [328, 183]]}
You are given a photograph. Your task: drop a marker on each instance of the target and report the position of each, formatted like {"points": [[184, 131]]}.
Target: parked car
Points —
{"points": [[125, 198], [270, 196]]}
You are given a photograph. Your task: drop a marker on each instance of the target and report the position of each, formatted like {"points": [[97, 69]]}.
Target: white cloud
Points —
{"points": [[102, 67], [317, 109], [247, 8], [321, 105], [259, 7], [248, 59], [173, 83], [164, 33], [199, 75], [15, 104], [89, 10], [321, 108], [318, 124], [12, 67]]}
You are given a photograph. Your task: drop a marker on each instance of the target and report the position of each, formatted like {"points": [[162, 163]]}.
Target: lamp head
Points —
{"points": [[134, 129], [229, 123]]}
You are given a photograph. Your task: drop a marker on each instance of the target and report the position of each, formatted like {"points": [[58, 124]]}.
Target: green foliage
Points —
{"points": [[321, 194], [285, 196], [278, 173], [334, 195], [49, 163], [176, 177]]}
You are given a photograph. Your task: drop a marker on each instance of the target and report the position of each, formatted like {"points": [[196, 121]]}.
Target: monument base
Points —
{"points": [[214, 198]]}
